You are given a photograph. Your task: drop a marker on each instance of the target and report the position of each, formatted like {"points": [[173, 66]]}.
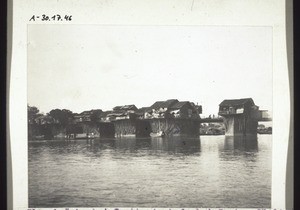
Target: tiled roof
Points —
{"points": [[125, 107], [179, 104], [164, 104], [157, 105], [236, 102], [104, 114], [142, 110], [91, 112]]}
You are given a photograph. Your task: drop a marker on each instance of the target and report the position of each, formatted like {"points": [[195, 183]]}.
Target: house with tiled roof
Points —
{"points": [[122, 112], [104, 117], [160, 109], [184, 110], [126, 108], [88, 116], [140, 113], [237, 106], [172, 108]]}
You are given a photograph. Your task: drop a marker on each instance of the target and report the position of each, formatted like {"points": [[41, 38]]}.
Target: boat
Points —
{"points": [[158, 134]]}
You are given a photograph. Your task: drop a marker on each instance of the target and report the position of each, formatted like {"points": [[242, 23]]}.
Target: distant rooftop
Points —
{"points": [[179, 104], [236, 102], [164, 104], [142, 110], [125, 107]]}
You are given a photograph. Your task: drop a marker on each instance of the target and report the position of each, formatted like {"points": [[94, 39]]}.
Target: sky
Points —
{"points": [[84, 67]]}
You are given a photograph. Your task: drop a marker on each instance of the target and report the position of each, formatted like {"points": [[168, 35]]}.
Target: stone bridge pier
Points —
{"points": [[240, 125]]}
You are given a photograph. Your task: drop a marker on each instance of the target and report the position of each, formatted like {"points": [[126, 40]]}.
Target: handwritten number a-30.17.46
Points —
{"points": [[51, 18]]}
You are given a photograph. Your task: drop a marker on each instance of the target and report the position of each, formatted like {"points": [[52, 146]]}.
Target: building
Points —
{"points": [[117, 115], [172, 109], [199, 108], [184, 110], [122, 113], [160, 109], [82, 117], [240, 116], [127, 108], [237, 106], [93, 115], [140, 113]]}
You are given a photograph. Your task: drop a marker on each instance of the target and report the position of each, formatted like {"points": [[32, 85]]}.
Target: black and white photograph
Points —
{"points": [[149, 116]]}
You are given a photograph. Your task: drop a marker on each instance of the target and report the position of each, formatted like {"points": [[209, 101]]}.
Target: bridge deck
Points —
{"points": [[220, 120], [202, 120]]}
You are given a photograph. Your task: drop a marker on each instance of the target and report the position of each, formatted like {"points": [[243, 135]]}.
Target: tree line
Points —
{"points": [[58, 116]]}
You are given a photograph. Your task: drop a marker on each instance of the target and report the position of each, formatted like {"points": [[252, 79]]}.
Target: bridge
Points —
{"points": [[221, 119], [172, 117], [211, 120], [240, 117]]}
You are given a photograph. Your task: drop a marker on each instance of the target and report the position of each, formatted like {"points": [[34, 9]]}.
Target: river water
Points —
{"points": [[208, 171]]}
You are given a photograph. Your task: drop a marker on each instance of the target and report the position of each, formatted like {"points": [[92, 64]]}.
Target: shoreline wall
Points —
{"points": [[176, 126], [54, 131], [125, 127], [134, 127]]}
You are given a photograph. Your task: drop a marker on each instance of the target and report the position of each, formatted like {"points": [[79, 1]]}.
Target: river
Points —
{"points": [[208, 171]]}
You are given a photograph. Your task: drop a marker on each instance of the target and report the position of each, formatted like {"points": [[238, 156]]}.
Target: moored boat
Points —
{"points": [[158, 134]]}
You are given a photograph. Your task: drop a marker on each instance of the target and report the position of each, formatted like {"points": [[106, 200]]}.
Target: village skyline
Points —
{"points": [[138, 108], [98, 67]]}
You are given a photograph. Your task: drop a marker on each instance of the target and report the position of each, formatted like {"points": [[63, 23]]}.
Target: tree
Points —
{"points": [[62, 116], [96, 114], [33, 113]]}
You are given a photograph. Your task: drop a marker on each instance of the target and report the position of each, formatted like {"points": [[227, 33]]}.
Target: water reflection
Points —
{"points": [[239, 148], [241, 143], [96, 146], [174, 144]]}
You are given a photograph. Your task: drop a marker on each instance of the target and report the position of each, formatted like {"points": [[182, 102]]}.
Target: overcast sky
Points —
{"points": [[83, 67]]}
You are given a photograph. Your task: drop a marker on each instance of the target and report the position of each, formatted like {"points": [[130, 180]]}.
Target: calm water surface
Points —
{"points": [[209, 171]]}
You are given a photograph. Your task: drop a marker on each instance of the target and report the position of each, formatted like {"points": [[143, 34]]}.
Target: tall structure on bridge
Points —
{"points": [[240, 116]]}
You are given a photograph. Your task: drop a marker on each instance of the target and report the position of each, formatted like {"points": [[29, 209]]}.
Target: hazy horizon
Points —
{"points": [[84, 67]]}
